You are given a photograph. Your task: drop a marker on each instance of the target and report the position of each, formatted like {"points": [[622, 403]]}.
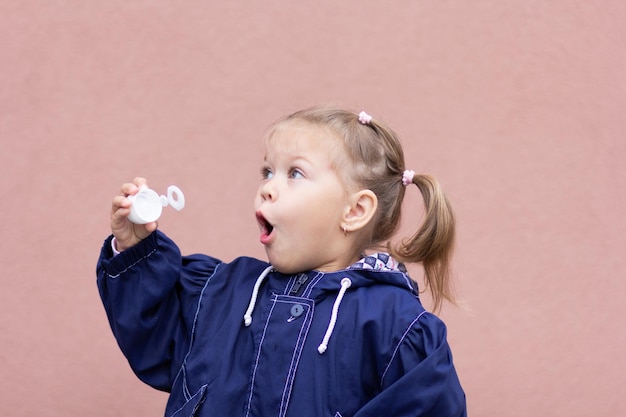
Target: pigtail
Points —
{"points": [[432, 245]]}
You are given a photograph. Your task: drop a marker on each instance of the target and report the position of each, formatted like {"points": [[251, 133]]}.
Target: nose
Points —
{"points": [[268, 191]]}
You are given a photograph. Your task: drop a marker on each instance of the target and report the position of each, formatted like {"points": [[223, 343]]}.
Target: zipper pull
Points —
{"points": [[302, 278]]}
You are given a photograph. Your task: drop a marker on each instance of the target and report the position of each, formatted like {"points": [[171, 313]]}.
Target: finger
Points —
{"points": [[120, 201], [119, 214], [129, 188], [151, 227], [139, 181]]}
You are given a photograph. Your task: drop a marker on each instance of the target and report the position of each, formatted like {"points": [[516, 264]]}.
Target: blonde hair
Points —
{"points": [[376, 160]]}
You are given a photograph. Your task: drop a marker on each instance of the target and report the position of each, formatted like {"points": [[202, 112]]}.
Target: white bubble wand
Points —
{"points": [[148, 205]]}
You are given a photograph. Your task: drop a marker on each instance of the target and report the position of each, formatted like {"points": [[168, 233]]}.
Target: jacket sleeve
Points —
{"points": [[150, 294], [421, 379]]}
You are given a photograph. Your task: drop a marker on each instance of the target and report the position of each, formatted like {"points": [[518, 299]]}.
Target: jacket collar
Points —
{"points": [[380, 261]]}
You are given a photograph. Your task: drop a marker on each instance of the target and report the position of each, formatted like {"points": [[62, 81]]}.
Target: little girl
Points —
{"points": [[328, 327]]}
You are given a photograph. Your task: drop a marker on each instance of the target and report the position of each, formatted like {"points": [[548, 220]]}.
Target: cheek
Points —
{"points": [[326, 208]]}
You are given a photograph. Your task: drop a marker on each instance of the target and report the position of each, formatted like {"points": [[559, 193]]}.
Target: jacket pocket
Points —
{"points": [[191, 407]]}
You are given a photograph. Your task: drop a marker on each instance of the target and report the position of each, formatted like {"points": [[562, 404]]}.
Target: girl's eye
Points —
{"points": [[295, 173], [266, 173]]}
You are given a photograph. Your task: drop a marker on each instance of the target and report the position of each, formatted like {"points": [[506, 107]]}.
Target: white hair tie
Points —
{"points": [[364, 118], [407, 177]]}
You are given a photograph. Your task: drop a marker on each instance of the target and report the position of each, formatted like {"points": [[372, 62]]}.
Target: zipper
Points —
{"points": [[300, 280]]}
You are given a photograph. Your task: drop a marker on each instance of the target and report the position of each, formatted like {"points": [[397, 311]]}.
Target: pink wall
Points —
{"points": [[516, 106]]}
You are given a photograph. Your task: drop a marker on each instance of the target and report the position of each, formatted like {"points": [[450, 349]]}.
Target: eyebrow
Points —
{"points": [[293, 157]]}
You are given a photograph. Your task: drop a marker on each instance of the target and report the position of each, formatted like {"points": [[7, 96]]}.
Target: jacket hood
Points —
{"points": [[378, 268]]}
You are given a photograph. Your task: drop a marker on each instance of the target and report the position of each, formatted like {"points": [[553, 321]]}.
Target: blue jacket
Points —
{"points": [[355, 342]]}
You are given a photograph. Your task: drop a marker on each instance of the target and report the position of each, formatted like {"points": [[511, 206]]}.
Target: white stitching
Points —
{"points": [[186, 392], [192, 335], [311, 285], [395, 351], [131, 265], [292, 367], [256, 361], [196, 406]]}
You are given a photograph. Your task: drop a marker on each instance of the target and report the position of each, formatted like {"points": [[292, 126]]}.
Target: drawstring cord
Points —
{"points": [[247, 318], [345, 284]]}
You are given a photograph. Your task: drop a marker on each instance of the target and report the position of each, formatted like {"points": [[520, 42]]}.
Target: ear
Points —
{"points": [[363, 205]]}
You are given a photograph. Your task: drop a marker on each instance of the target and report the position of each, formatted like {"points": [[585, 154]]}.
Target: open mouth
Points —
{"points": [[266, 228]]}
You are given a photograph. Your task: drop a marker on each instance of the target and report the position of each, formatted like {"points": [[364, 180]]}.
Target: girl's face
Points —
{"points": [[301, 201]]}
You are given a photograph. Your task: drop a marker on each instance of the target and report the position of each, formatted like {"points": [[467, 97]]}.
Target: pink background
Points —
{"points": [[517, 106]]}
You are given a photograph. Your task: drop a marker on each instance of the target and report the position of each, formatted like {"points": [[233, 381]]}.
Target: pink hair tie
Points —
{"points": [[364, 118], [407, 177]]}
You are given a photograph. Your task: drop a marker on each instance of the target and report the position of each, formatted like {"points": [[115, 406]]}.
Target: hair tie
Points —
{"points": [[364, 118], [407, 177]]}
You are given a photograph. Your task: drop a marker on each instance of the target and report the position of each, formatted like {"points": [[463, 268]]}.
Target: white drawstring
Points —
{"points": [[247, 318], [345, 284]]}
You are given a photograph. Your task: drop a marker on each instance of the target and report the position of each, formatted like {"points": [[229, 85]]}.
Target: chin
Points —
{"points": [[285, 268], [287, 264]]}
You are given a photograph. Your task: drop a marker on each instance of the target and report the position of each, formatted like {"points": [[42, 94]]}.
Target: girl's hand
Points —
{"points": [[126, 233]]}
